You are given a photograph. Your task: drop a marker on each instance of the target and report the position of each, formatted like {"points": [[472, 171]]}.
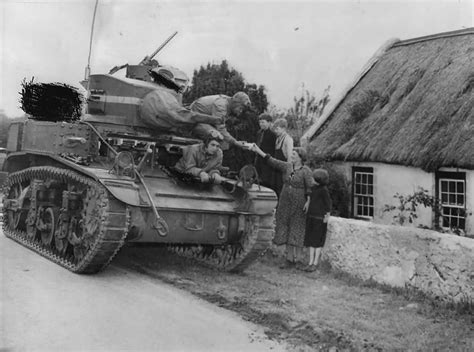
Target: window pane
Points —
{"points": [[444, 198], [462, 224], [445, 222], [370, 179], [357, 188], [452, 186], [460, 199], [461, 187], [444, 186], [363, 189], [444, 212], [452, 198], [370, 190], [371, 211], [357, 175]]}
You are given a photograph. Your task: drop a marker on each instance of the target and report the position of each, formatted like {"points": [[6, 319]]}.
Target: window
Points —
{"points": [[452, 195], [363, 192]]}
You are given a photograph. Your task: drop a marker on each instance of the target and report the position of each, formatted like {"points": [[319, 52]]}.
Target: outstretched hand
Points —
{"points": [[306, 207], [244, 145], [256, 149]]}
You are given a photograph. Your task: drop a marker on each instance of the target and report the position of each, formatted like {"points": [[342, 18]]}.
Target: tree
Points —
{"points": [[257, 96], [222, 79], [214, 79], [307, 109]]}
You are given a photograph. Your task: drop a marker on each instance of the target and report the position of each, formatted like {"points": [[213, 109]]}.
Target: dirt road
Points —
{"points": [[314, 311], [43, 307]]}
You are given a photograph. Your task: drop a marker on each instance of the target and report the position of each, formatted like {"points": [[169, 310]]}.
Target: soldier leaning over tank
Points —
{"points": [[202, 160], [221, 106], [161, 109]]}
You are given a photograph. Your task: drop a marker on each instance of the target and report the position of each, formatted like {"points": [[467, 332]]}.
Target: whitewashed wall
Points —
{"points": [[392, 179], [440, 265]]}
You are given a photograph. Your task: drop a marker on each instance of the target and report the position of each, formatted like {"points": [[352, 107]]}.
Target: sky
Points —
{"points": [[282, 45]]}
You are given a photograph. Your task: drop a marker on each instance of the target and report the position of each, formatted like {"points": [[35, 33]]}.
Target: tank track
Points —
{"points": [[91, 233], [256, 239]]}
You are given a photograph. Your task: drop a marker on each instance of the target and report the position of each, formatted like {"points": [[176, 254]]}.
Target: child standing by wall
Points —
{"points": [[317, 216]]}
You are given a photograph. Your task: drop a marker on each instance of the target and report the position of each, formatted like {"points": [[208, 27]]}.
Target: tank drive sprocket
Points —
{"points": [[64, 216], [257, 233]]}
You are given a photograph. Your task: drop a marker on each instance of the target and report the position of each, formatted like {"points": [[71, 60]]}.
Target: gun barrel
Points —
{"points": [[162, 45]]}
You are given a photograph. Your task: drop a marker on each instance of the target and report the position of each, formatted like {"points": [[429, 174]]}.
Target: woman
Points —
{"points": [[293, 203]]}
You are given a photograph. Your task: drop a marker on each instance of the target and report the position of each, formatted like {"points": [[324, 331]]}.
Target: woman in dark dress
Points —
{"points": [[294, 199], [317, 216]]}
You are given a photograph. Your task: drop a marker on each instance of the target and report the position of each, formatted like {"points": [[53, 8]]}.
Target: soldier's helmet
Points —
{"points": [[241, 98], [171, 75]]}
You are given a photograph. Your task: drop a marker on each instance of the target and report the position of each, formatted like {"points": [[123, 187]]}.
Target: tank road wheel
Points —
{"points": [[48, 219], [60, 244], [256, 235], [80, 226], [14, 203], [89, 226], [60, 235]]}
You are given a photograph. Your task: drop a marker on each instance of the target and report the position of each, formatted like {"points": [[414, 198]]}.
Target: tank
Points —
{"points": [[76, 192]]}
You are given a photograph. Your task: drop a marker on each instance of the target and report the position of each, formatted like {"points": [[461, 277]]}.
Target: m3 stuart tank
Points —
{"points": [[77, 191]]}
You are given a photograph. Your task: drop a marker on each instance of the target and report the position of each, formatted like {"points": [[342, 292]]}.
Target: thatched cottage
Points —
{"points": [[407, 122]]}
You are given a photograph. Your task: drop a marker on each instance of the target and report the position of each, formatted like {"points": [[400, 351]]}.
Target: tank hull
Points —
{"points": [[48, 208]]}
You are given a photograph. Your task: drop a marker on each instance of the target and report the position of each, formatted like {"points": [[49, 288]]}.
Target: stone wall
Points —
{"points": [[440, 265]]}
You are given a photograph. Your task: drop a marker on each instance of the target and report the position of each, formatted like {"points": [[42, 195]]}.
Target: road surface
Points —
{"points": [[44, 307]]}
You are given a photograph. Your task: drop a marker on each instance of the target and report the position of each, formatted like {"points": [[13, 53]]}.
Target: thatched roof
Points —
{"points": [[414, 106]]}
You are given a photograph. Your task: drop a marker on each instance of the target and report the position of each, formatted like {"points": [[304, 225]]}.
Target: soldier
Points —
{"points": [[221, 106], [202, 160], [161, 109]]}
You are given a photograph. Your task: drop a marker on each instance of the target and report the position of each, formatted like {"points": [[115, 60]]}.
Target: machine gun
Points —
{"points": [[140, 71], [147, 60]]}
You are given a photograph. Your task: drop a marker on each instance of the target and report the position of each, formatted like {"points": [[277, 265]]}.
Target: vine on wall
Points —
{"points": [[406, 211]]}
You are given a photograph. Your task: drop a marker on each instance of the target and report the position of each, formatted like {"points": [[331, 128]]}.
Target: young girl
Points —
{"points": [[317, 215]]}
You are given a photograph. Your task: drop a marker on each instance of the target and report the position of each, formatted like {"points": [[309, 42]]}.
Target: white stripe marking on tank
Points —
{"points": [[116, 99]]}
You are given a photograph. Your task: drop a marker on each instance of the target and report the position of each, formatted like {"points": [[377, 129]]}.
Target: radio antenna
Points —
{"points": [[88, 68]]}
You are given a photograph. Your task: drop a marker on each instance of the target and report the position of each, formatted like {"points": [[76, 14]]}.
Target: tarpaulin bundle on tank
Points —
{"points": [[51, 101]]}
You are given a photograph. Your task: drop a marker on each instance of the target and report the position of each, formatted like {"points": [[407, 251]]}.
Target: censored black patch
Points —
{"points": [[51, 101]]}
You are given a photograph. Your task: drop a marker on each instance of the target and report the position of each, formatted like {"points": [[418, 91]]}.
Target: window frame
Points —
{"points": [[450, 176], [368, 171]]}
